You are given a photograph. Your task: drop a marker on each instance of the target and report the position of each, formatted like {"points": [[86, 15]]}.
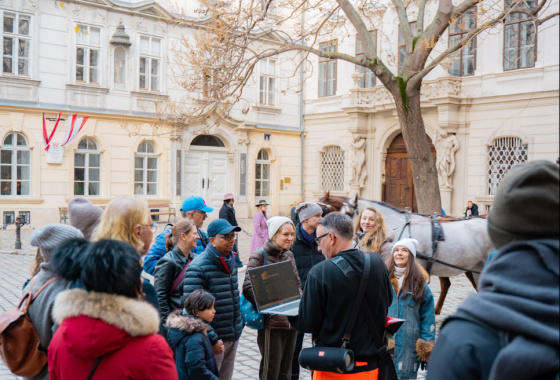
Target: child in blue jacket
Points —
{"points": [[187, 336], [412, 301]]}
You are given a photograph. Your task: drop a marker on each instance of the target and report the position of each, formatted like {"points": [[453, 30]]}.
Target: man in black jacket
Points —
{"points": [[306, 256], [328, 295], [227, 212]]}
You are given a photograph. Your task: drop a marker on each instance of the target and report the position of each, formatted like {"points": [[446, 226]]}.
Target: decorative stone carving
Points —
{"points": [[446, 146], [357, 77], [359, 173], [243, 142]]}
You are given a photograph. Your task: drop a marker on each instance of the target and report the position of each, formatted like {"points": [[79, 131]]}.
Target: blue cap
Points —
{"points": [[221, 226], [193, 203]]}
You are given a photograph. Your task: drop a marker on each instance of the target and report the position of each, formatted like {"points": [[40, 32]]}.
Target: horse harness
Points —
{"points": [[437, 236]]}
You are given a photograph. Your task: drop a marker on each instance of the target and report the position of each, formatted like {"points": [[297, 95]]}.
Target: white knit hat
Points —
{"points": [[411, 244], [275, 223]]}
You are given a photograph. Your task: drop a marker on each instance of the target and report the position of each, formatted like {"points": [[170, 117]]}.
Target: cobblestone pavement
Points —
{"points": [[14, 270]]}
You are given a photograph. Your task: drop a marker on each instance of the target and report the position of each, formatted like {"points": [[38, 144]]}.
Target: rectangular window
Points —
{"points": [[88, 54], [368, 78], [16, 43], [327, 70], [267, 82], [150, 64], [402, 43], [464, 60], [520, 37]]}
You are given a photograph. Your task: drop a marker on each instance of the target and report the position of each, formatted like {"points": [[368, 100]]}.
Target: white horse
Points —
{"points": [[465, 248]]}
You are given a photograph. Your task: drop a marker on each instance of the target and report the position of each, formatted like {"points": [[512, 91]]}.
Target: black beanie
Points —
{"points": [[526, 204]]}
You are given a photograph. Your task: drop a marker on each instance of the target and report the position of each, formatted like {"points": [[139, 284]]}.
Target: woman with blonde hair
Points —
{"points": [[128, 219], [371, 234], [170, 269]]}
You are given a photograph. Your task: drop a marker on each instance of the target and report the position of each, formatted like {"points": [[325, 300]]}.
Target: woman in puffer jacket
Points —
{"points": [[278, 339], [412, 301], [106, 330], [169, 287]]}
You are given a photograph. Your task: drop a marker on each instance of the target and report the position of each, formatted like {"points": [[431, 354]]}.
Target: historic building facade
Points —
{"points": [[494, 104], [110, 61]]}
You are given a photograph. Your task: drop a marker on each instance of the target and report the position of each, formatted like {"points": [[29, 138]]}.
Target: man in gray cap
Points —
{"points": [[47, 238], [306, 255], [511, 328]]}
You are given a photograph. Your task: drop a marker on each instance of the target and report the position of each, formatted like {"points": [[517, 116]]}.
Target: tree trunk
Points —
{"points": [[422, 162]]}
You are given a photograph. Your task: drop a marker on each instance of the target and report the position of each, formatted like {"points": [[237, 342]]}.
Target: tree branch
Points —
{"points": [[420, 20], [545, 19], [360, 26], [405, 26]]}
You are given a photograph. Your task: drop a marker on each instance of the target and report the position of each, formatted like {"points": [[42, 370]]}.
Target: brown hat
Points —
{"points": [[526, 204]]}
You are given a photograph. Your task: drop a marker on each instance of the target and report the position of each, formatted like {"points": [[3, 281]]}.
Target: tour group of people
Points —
{"points": [[101, 318]]}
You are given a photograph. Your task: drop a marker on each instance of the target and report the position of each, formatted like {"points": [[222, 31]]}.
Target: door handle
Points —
{"points": [[208, 184], [203, 183]]}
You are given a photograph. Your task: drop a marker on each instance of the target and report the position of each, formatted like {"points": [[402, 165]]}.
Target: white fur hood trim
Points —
{"points": [[136, 317]]}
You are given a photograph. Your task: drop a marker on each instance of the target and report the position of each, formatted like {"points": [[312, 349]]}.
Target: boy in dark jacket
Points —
{"points": [[187, 336]]}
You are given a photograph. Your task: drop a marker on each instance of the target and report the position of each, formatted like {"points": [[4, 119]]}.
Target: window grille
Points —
{"points": [[25, 216], [504, 153], [332, 168], [9, 217]]}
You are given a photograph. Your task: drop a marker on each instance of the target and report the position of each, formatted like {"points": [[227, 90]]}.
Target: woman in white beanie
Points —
{"points": [[278, 339], [412, 301]]}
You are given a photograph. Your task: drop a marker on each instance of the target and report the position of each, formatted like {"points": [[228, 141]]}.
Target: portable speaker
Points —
{"points": [[330, 359]]}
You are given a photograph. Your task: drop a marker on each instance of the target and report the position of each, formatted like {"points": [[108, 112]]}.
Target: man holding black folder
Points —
{"points": [[329, 295]]}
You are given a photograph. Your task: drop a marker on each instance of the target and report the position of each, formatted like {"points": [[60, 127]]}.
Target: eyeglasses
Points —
{"points": [[152, 226], [318, 238], [229, 237]]}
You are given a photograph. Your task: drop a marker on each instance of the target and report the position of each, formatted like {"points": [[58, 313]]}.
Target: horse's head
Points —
{"points": [[350, 206]]}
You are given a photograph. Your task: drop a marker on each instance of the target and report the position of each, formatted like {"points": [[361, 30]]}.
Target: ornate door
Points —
{"points": [[399, 188]]}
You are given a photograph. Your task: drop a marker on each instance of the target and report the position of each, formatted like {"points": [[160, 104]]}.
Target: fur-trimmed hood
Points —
{"points": [[180, 325], [99, 323]]}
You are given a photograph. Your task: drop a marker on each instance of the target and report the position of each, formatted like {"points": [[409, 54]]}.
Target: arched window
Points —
{"points": [[15, 165], [208, 140], [502, 155], [332, 168], [87, 168], [145, 169], [262, 176]]}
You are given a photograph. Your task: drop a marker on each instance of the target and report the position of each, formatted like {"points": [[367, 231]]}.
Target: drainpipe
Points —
{"points": [[301, 126]]}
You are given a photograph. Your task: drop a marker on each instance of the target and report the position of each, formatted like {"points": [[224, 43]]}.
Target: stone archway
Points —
{"points": [[399, 187]]}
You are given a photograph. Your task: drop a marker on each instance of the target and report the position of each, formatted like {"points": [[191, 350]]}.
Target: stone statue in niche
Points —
{"points": [[446, 146], [359, 173]]}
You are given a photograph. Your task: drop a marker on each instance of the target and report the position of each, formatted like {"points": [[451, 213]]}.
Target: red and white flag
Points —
{"points": [[72, 128], [46, 137]]}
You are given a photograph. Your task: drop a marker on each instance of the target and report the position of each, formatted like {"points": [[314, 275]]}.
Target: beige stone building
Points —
{"points": [[109, 61]]}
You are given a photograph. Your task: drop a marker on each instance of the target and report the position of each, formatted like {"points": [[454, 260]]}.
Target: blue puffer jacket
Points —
{"points": [[420, 324], [157, 250], [208, 272], [192, 350]]}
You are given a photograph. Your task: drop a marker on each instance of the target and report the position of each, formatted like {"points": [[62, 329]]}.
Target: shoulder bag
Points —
{"points": [[249, 312]]}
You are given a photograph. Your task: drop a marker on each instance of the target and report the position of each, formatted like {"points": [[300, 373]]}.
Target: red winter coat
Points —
{"points": [[120, 330]]}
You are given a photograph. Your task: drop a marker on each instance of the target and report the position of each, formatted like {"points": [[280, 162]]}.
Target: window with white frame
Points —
{"points": [[16, 43], [87, 168], [267, 87], [15, 165], [368, 78], [262, 176], [464, 60], [150, 64], [520, 36], [88, 54], [332, 168], [145, 169], [327, 69], [504, 153]]}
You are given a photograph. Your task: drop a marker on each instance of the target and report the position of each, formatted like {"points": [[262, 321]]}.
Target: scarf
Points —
{"points": [[399, 274], [228, 261], [309, 238]]}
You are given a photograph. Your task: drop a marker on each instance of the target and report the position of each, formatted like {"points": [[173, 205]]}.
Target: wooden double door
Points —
{"points": [[399, 187]]}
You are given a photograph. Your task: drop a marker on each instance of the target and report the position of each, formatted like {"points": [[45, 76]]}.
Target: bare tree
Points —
{"points": [[216, 64]]}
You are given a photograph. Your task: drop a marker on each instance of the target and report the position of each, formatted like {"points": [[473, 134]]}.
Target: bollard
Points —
{"points": [[18, 224]]}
